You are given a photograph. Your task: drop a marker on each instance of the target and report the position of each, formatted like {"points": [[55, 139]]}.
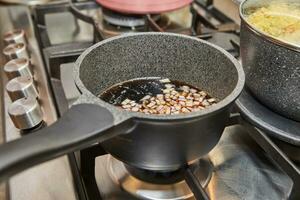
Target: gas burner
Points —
{"points": [[125, 20], [284, 131], [145, 184], [267, 120], [119, 24]]}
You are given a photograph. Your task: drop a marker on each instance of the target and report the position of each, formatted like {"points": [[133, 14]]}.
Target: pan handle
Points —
{"points": [[82, 125], [234, 119]]}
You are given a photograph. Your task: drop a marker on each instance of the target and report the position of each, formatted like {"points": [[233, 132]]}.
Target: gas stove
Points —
{"points": [[246, 164]]}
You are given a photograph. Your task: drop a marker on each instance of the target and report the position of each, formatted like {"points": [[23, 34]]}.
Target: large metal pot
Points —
{"points": [[272, 66], [153, 142]]}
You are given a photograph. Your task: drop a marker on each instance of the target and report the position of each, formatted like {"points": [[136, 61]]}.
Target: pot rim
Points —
{"points": [[229, 99], [266, 36]]}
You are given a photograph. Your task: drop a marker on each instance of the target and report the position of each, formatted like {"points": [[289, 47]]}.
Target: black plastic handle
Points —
{"points": [[234, 119], [81, 126]]}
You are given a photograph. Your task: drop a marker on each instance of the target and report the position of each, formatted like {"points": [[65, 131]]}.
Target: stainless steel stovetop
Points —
{"points": [[240, 169]]}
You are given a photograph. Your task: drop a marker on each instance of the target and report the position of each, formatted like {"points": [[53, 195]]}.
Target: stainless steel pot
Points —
{"points": [[272, 66]]}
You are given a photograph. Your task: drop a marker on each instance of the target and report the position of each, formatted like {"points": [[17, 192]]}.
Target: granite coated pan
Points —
{"points": [[153, 142], [271, 65]]}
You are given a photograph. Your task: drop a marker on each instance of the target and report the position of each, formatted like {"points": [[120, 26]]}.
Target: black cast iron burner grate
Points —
{"points": [[260, 121], [218, 29], [88, 163]]}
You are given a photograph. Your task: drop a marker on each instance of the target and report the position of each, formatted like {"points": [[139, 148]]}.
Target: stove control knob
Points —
{"points": [[15, 36], [17, 67], [17, 50], [22, 86], [25, 113]]}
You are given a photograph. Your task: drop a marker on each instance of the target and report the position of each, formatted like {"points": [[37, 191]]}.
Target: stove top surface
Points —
{"points": [[240, 168]]}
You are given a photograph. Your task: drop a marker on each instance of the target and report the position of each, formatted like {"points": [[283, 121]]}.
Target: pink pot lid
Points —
{"points": [[143, 6]]}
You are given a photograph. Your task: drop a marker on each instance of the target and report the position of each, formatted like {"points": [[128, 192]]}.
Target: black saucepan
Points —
{"points": [[153, 142]]}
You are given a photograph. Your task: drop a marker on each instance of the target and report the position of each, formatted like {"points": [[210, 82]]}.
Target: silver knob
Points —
{"points": [[17, 50], [15, 36], [22, 86], [25, 113], [17, 67]]}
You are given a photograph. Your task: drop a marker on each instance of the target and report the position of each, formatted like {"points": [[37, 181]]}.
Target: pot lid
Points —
{"points": [[143, 6]]}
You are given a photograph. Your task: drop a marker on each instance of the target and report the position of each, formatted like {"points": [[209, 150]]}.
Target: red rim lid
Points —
{"points": [[143, 6]]}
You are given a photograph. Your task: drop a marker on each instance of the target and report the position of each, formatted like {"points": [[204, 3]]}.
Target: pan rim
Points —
{"points": [[280, 43], [229, 99]]}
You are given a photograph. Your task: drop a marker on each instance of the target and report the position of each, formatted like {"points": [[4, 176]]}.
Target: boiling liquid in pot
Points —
{"points": [[157, 96], [278, 19]]}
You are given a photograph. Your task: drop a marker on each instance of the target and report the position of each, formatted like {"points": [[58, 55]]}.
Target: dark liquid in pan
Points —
{"points": [[136, 89]]}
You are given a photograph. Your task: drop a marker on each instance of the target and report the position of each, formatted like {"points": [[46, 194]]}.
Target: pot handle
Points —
{"points": [[80, 126]]}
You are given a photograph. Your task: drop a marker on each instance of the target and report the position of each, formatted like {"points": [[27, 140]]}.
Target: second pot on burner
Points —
{"points": [[270, 63]]}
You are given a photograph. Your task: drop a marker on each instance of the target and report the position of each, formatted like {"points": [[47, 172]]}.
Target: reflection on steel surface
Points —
{"points": [[241, 171], [53, 179]]}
